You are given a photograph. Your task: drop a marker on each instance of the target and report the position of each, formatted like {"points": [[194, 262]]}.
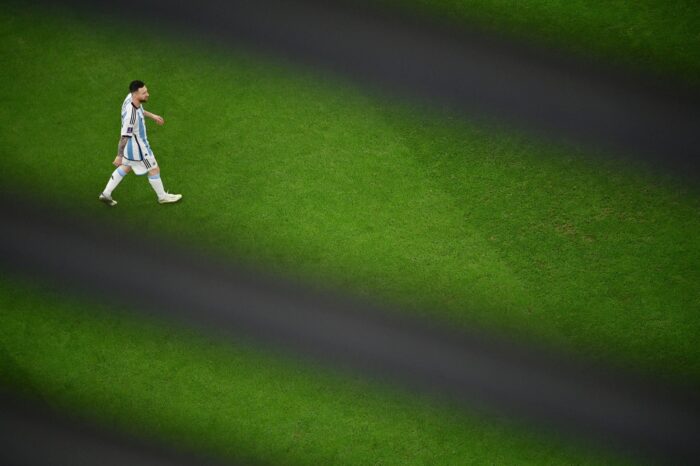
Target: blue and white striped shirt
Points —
{"points": [[134, 127]]}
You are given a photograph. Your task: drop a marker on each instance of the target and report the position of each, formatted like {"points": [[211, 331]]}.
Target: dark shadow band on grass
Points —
{"points": [[34, 434], [470, 369], [466, 71]]}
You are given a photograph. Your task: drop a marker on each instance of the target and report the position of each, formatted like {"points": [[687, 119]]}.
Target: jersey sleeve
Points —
{"points": [[129, 121]]}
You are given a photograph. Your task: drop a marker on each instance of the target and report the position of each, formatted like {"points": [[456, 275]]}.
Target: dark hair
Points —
{"points": [[135, 85]]}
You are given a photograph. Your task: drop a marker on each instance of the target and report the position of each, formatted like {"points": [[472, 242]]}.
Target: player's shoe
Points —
{"points": [[107, 200], [170, 198]]}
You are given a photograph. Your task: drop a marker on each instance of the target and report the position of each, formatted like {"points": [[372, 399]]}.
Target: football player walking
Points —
{"points": [[134, 152]]}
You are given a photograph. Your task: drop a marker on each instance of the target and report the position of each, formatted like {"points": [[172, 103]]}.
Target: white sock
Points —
{"points": [[157, 185], [116, 178]]}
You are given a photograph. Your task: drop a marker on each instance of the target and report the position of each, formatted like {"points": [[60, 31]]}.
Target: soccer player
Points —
{"points": [[134, 152]]}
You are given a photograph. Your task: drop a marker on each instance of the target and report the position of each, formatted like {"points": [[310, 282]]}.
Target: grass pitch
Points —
{"points": [[236, 402], [310, 178], [653, 36]]}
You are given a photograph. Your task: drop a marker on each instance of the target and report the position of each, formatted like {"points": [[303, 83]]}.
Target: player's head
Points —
{"points": [[138, 90]]}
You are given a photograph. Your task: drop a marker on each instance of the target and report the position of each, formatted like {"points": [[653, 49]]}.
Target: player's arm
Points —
{"points": [[157, 118], [127, 131], [120, 150]]}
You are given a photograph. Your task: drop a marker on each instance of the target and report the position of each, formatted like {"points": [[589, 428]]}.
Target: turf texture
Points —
{"points": [[650, 36], [236, 402], [311, 178]]}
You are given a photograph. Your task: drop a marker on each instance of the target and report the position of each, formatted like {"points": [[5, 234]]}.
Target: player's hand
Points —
{"points": [[117, 161], [159, 119]]}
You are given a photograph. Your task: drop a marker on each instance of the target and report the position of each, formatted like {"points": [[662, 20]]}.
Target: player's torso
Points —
{"points": [[140, 123], [138, 146]]}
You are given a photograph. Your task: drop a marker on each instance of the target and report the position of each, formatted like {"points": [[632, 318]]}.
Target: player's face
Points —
{"points": [[141, 94]]}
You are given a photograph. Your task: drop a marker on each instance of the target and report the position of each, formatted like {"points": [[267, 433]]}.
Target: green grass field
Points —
{"points": [[311, 178], [653, 36], [233, 401]]}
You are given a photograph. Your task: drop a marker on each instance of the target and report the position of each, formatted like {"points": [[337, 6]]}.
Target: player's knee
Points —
{"points": [[125, 169], [154, 171]]}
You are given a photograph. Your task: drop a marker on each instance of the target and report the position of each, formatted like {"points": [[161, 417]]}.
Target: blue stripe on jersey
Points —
{"points": [[142, 127], [130, 149], [142, 132], [148, 146]]}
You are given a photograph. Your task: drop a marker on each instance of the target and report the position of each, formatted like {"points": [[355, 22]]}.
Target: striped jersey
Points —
{"points": [[134, 127]]}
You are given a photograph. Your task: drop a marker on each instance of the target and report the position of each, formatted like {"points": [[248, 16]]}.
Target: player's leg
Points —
{"points": [[156, 182], [114, 180], [157, 185]]}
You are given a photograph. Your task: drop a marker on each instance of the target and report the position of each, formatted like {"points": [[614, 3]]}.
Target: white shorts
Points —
{"points": [[141, 167]]}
